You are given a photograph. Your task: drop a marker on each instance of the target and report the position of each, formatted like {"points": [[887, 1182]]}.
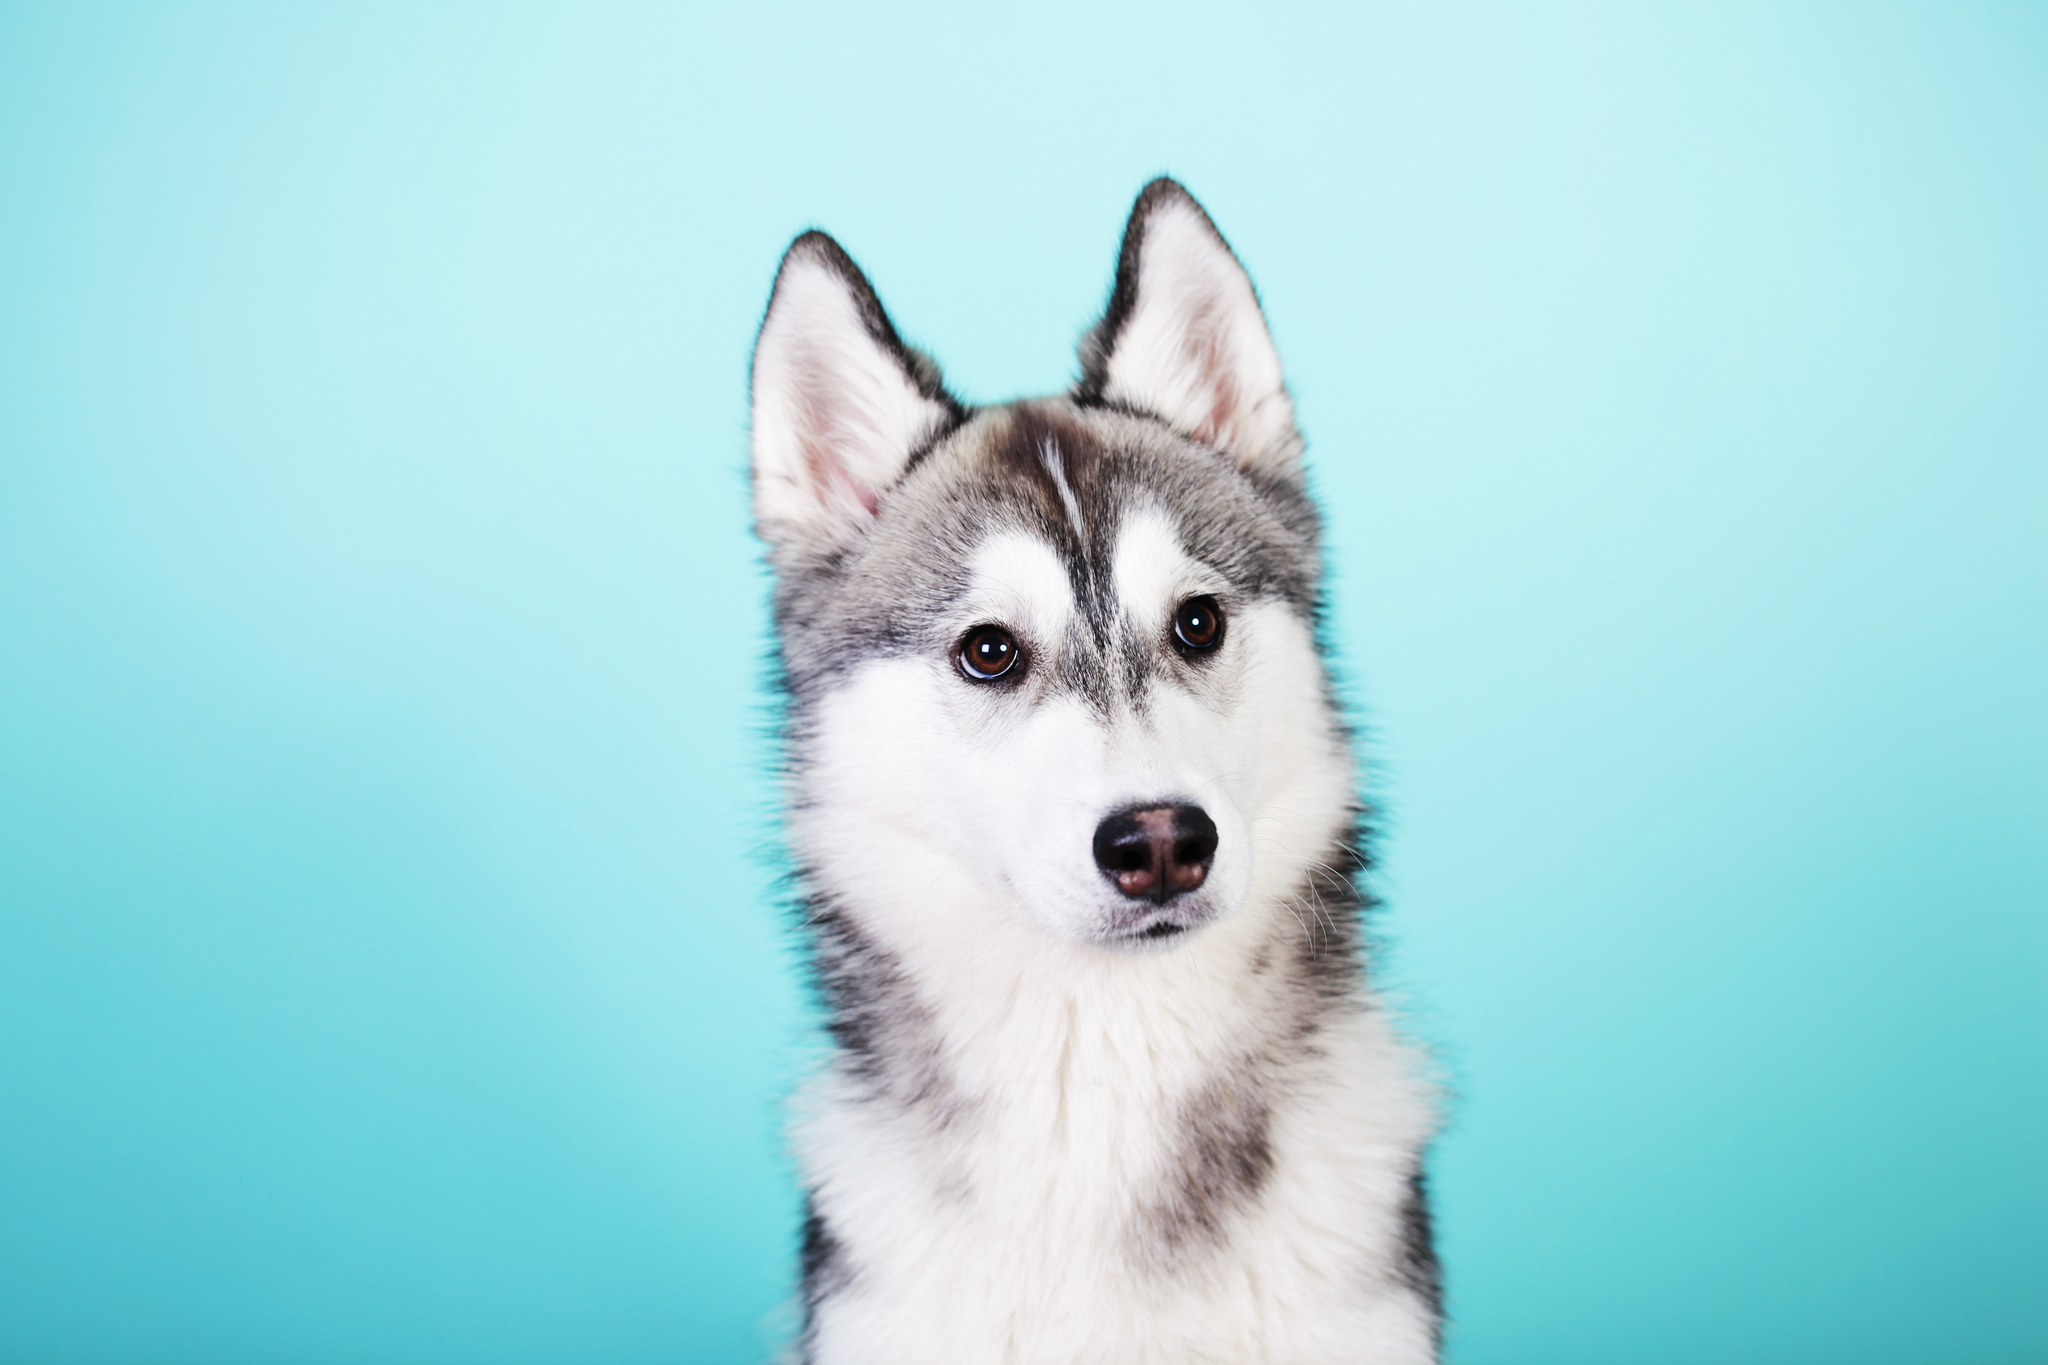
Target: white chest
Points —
{"points": [[1106, 1196]]}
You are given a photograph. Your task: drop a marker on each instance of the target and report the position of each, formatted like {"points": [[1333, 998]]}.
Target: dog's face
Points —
{"points": [[1058, 654]]}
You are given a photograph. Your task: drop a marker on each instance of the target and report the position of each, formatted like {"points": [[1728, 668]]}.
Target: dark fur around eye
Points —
{"points": [[1198, 626], [987, 653]]}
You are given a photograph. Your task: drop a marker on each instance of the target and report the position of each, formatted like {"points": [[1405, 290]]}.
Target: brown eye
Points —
{"points": [[1198, 625], [987, 653]]}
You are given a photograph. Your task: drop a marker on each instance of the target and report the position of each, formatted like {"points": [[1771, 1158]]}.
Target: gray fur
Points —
{"points": [[884, 1033], [1222, 1162]]}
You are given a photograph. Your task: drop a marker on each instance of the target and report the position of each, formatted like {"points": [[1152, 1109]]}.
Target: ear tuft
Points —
{"points": [[1183, 337], [839, 403]]}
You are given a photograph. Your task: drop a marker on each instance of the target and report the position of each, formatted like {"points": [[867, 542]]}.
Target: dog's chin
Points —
{"points": [[1155, 929], [1126, 926]]}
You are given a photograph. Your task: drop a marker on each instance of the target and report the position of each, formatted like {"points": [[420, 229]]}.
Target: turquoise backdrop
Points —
{"points": [[389, 970]]}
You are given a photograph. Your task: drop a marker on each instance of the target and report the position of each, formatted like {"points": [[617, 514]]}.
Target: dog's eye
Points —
{"points": [[987, 653], [1198, 625]]}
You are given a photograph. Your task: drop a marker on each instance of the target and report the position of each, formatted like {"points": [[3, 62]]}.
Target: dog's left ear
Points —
{"points": [[840, 404], [1183, 338]]}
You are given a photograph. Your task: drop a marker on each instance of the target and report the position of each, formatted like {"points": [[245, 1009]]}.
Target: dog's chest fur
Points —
{"points": [[1095, 1177]]}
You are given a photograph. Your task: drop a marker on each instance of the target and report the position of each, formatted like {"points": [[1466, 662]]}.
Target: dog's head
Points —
{"points": [[1056, 656]]}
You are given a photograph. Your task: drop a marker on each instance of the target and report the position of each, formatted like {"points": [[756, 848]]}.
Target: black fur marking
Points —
{"points": [[823, 1259], [1418, 1266], [823, 1269], [1224, 1159]]}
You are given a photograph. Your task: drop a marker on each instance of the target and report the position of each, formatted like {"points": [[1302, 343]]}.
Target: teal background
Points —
{"points": [[388, 966]]}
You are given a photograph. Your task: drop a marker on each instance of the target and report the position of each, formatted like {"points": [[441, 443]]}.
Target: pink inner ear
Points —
{"points": [[1205, 353], [823, 431], [835, 485]]}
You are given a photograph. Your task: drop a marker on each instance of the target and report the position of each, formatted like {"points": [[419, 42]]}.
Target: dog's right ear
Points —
{"points": [[840, 403], [1184, 339]]}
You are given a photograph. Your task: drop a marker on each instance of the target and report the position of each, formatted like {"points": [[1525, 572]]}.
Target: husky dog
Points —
{"points": [[1073, 818]]}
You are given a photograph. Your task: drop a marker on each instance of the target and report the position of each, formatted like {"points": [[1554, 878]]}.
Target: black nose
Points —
{"points": [[1156, 852]]}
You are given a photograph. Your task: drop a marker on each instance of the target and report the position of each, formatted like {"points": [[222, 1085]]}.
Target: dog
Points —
{"points": [[1072, 815]]}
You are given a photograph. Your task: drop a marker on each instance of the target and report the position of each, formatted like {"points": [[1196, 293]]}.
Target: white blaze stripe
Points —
{"points": [[1055, 465]]}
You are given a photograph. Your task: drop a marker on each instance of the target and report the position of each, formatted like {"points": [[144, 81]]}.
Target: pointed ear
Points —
{"points": [[1183, 338], [840, 403]]}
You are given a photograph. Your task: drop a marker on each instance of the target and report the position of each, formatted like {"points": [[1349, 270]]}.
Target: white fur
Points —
{"points": [[1151, 571], [1018, 579]]}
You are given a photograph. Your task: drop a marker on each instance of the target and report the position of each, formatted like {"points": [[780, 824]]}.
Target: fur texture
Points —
{"points": [[1063, 1122]]}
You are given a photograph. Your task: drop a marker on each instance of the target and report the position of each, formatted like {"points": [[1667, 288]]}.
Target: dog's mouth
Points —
{"points": [[1159, 929]]}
